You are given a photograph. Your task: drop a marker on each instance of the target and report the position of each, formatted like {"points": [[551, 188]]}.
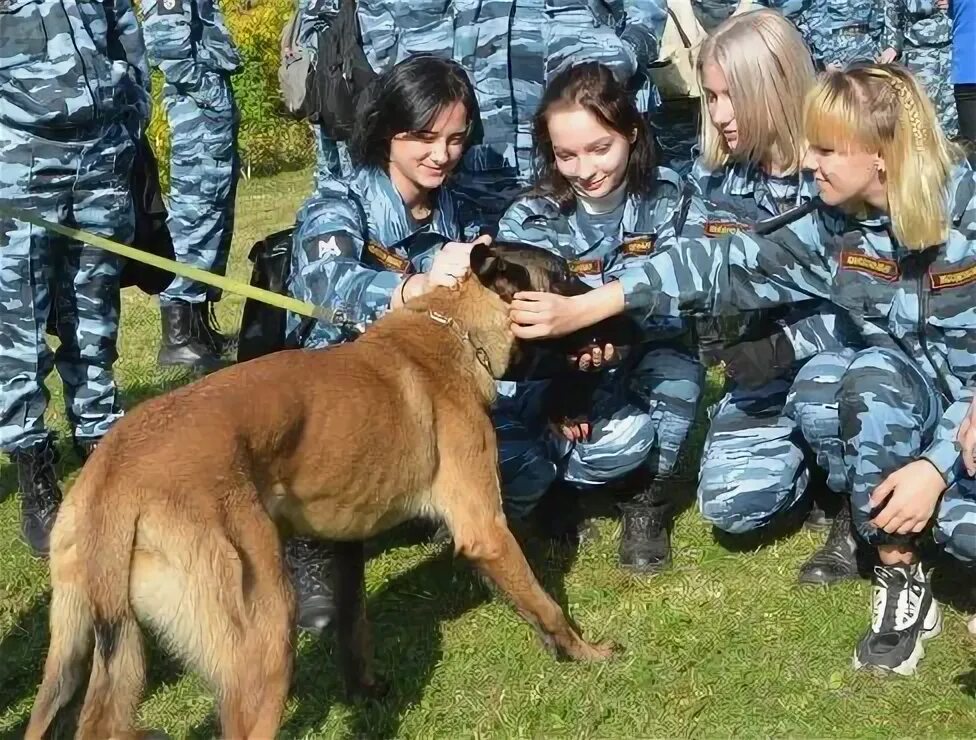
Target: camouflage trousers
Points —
{"points": [[203, 181], [754, 465], [642, 418], [79, 179], [932, 66], [867, 414]]}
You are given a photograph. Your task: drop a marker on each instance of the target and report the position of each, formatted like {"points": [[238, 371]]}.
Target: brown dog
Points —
{"points": [[174, 521]]}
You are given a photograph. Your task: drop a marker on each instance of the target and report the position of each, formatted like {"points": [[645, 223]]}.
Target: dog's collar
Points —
{"points": [[455, 325]]}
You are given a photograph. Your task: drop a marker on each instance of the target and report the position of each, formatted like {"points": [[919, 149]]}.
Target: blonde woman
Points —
{"points": [[755, 71], [895, 250]]}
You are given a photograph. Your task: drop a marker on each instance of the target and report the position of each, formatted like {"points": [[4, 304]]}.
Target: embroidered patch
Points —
{"points": [[882, 268], [953, 279], [638, 247], [722, 227], [329, 247], [586, 267], [170, 7], [388, 259]]}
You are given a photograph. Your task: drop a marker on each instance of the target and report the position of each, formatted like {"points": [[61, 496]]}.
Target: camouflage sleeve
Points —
{"points": [[893, 33], [819, 327], [315, 16], [327, 267], [919, 8], [644, 22], [377, 28], [129, 34], [169, 40], [943, 453], [742, 272], [792, 9]]}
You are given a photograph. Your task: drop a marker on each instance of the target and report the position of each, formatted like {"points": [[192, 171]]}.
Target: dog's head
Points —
{"points": [[507, 268]]}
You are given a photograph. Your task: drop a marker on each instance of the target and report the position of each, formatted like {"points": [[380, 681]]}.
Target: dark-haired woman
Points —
{"points": [[366, 245], [599, 201]]}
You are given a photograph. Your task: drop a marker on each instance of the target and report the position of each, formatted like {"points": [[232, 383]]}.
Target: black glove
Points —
{"points": [[753, 364]]}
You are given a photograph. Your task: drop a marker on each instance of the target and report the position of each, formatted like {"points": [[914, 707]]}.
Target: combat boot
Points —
{"points": [[178, 346], [645, 536], [837, 559], [205, 330], [40, 495], [310, 563]]}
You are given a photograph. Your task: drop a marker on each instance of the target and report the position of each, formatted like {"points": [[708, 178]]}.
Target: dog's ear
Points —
{"points": [[486, 265]]}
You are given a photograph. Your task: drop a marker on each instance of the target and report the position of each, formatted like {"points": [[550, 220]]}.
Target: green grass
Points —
{"points": [[722, 644]]}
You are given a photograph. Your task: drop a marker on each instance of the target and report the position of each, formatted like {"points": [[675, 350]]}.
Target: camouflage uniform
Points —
{"points": [[353, 245], [73, 92], [928, 54], [190, 44], [845, 31], [753, 465], [904, 396], [511, 50], [640, 417]]}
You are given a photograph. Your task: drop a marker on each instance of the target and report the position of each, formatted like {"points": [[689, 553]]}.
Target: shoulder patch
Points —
{"points": [[877, 266], [638, 247], [387, 258], [715, 227], [586, 267], [953, 278], [169, 7]]}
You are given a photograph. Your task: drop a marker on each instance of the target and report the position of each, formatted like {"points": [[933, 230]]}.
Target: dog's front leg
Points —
{"points": [[353, 634], [496, 553]]}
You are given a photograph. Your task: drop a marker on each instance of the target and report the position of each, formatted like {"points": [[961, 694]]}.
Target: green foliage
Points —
{"points": [[268, 141]]}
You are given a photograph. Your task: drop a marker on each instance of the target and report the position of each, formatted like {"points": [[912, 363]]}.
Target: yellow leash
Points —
{"points": [[193, 273]]}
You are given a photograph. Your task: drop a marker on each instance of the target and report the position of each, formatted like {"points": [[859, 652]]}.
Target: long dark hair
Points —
{"points": [[593, 87], [408, 98]]}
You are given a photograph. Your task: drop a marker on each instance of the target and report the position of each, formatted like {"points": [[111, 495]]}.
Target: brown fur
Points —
{"points": [[168, 524]]}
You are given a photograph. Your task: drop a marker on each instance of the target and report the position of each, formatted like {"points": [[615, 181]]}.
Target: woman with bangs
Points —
{"points": [[598, 201], [755, 71], [896, 250], [366, 245]]}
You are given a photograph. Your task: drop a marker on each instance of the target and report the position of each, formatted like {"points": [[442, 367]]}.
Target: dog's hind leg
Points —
{"points": [[352, 626]]}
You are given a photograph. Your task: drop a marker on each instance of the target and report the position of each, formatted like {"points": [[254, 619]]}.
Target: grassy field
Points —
{"points": [[723, 644]]}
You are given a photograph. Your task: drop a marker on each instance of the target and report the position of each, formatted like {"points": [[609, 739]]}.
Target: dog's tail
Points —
{"points": [[91, 554]]}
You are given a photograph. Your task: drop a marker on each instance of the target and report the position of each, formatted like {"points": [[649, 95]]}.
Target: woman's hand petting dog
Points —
{"points": [[452, 261], [546, 315]]}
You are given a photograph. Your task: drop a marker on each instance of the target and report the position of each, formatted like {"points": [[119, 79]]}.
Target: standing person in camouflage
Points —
{"points": [[843, 31], [895, 250], [73, 94], [755, 71], [510, 50], [927, 52], [190, 44], [595, 205], [365, 244]]}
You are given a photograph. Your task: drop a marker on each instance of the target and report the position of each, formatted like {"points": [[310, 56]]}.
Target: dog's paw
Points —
{"points": [[599, 651]]}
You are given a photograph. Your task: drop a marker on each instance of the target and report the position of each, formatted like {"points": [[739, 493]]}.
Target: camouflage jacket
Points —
{"points": [[844, 31], [614, 256], [918, 303], [71, 64], [187, 40], [353, 244], [735, 198], [926, 25]]}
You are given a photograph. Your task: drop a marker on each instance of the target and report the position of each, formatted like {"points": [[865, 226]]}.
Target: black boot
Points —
{"points": [[40, 495], [312, 573], [837, 559], [178, 345], [824, 506], [206, 330], [85, 447], [645, 537]]}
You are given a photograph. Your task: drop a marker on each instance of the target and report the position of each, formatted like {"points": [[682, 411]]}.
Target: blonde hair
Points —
{"points": [[881, 108], [769, 70]]}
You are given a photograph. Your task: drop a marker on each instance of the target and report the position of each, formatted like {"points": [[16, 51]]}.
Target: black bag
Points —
{"points": [[151, 232], [342, 74], [263, 326]]}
